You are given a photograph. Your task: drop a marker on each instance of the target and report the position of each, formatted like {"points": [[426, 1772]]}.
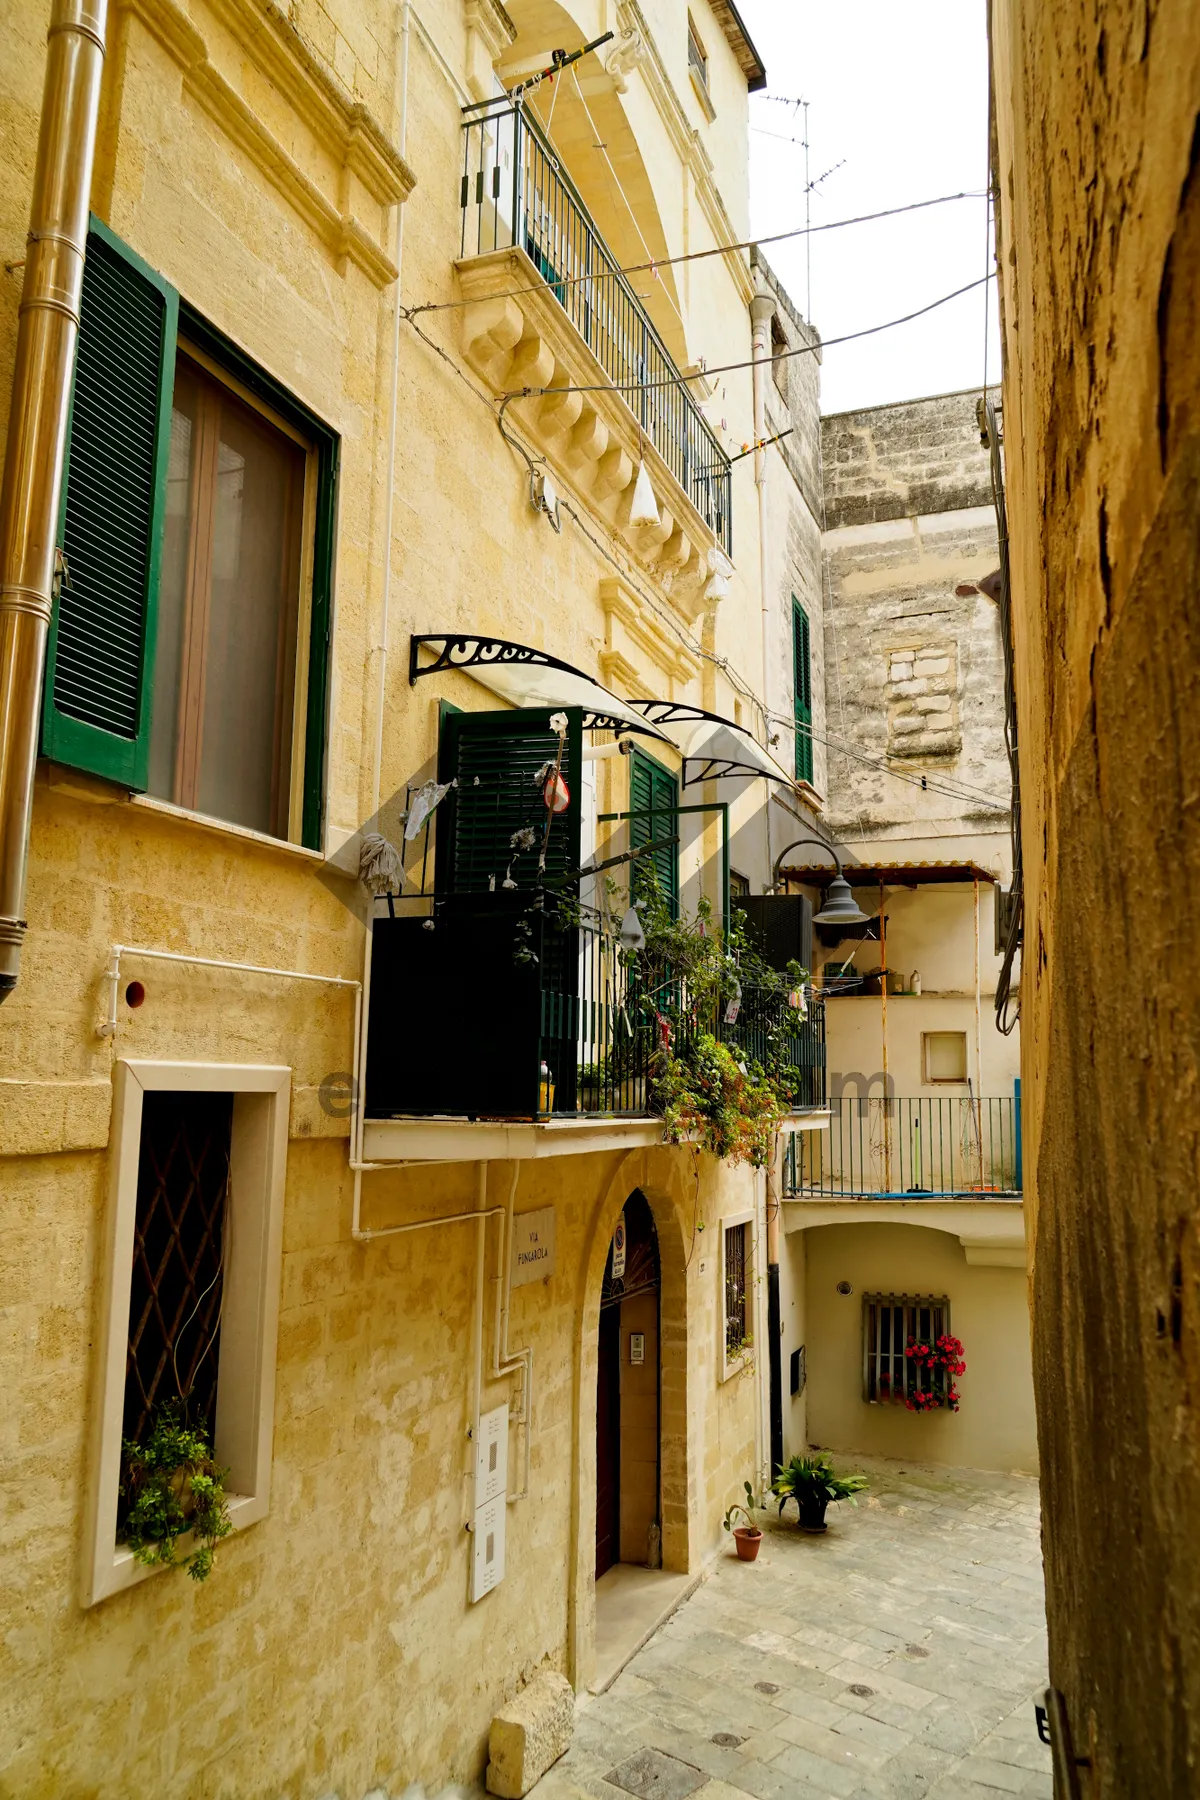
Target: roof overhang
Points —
{"points": [[890, 874], [739, 40], [712, 747], [527, 677]]}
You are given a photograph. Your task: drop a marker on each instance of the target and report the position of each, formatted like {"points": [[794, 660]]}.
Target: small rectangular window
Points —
{"points": [[802, 691], [697, 55], [945, 1055], [739, 885], [190, 1296], [737, 1270], [891, 1322]]}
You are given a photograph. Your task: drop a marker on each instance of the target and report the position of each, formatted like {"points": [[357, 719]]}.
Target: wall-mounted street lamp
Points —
{"points": [[840, 906]]}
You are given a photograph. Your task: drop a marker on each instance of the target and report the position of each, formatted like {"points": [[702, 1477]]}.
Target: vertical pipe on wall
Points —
{"points": [[978, 1044], [887, 1119], [47, 336], [762, 311]]}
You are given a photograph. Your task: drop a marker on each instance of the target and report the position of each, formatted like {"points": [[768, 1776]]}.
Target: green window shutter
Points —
{"points": [[802, 689], [495, 757], [653, 788], [98, 692]]}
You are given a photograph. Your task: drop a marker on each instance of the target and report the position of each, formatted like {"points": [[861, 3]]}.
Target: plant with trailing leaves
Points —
{"points": [[690, 983], [932, 1372], [813, 1484], [170, 1486]]}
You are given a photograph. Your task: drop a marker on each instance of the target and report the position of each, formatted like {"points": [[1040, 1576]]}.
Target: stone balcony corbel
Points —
{"points": [[517, 335]]}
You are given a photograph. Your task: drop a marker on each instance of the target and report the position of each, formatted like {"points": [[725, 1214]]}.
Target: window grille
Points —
{"points": [[178, 1257], [737, 1264], [891, 1322]]}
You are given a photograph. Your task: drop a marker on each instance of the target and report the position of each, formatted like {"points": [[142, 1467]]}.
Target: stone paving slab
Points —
{"points": [[895, 1658]]}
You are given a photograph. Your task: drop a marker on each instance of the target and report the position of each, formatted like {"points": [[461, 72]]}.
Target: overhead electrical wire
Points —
{"points": [[672, 381], [734, 677], [663, 262]]}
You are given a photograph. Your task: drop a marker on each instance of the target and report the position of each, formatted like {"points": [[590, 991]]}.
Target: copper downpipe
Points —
{"points": [[47, 336]]}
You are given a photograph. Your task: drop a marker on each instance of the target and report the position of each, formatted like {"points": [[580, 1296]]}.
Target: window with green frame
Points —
{"points": [[802, 691], [189, 647], [654, 793]]}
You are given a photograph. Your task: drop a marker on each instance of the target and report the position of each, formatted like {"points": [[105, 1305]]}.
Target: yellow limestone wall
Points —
{"points": [[1098, 169], [333, 1648]]}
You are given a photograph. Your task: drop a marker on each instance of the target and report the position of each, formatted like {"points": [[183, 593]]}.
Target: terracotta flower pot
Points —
{"points": [[747, 1538]]}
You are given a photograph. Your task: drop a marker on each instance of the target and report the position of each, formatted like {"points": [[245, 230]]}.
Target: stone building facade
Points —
{"points": [[269, 187]]}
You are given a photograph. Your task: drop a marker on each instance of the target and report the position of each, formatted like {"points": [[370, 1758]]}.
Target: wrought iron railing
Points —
{"points": [[516, 193], [485, 1007], [908, 1147]]}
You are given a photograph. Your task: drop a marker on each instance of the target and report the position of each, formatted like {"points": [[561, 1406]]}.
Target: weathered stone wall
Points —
{"points": [[792, 392], [333, 1648], [914, 671], [904, 460], [1098, 169]]}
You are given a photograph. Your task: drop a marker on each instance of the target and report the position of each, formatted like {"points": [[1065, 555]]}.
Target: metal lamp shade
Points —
{"points": [[840, 906]]}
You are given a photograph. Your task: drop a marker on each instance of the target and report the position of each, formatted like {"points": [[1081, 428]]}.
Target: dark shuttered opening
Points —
{"points": [[802, 685], [467, 1004]]}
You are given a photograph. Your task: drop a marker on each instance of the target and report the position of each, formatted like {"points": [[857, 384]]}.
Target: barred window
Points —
{"points": [[891, 1322], [737, 1283], [178, 1259]]}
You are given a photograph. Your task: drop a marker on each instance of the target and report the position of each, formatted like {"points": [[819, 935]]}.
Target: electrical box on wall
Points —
{"points": [[487, 1563], [491, 1456], [491, 1502]]}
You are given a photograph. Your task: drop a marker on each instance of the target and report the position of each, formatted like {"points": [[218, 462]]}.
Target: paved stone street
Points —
{"points": [[896, 1657]]}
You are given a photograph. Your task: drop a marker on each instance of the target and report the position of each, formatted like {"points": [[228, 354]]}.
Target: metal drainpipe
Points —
{"points": [[47, 335]]}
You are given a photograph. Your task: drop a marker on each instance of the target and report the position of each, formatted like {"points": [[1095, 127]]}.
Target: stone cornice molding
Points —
{"points": [[516, 335], [625, 614], [370, 171], [686, 143]]}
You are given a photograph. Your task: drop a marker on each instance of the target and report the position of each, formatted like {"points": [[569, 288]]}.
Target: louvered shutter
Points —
{"points": [[653, 788], [99, 672], [802, 689], [495, 757]]}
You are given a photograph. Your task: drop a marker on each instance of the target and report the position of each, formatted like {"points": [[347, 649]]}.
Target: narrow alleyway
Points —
{"points": [[897, 1657]]}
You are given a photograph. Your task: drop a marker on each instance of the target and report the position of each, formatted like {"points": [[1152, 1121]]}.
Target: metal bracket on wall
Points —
{"points": [[1054, 1728]]}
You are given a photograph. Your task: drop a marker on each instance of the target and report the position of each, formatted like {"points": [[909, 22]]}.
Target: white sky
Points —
{"points": [[899, 93]]}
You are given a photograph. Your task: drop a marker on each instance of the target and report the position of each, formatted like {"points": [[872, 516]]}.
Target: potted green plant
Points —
{"points": [[812, 1483], [172, 1487], [747, 1537]]}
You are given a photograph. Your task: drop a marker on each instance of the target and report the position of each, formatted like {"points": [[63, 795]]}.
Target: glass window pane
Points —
{"points": [[173, 584], [245, 758]]}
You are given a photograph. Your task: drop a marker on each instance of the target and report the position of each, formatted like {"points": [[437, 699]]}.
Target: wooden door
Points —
{"points": [[608, 1441]]}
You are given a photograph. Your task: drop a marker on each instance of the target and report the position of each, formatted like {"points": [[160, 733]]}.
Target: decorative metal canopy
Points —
{"points": [[527, 677], [712, 747]]}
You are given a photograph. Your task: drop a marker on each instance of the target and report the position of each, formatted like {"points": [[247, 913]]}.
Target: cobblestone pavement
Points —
{"points": [[895, 1657]]}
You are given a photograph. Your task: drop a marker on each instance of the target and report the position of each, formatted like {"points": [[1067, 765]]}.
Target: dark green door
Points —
{"points": [[802, 688], [654, 792]]}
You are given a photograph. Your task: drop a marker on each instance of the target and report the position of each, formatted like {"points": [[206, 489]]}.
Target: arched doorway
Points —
{"points": [[628, 1396]]}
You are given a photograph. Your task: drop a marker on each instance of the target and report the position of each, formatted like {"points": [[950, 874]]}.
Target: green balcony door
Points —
{"points": [[654, 791]]}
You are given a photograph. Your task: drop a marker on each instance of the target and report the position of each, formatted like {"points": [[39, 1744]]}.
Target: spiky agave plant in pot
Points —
{"points": [[813, 1484]]}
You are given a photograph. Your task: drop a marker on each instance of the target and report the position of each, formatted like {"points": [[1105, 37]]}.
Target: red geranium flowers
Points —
{"points": [[934, 1367]]}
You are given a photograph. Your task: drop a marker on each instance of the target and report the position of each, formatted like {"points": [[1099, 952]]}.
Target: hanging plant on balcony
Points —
{"points": [[172, 1486], [933, 1369], [691, 979]]}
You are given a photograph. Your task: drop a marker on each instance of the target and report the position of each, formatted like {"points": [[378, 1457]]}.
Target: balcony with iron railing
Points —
{"points": [[908, 1149], [489, 1007], [549, 310]]}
